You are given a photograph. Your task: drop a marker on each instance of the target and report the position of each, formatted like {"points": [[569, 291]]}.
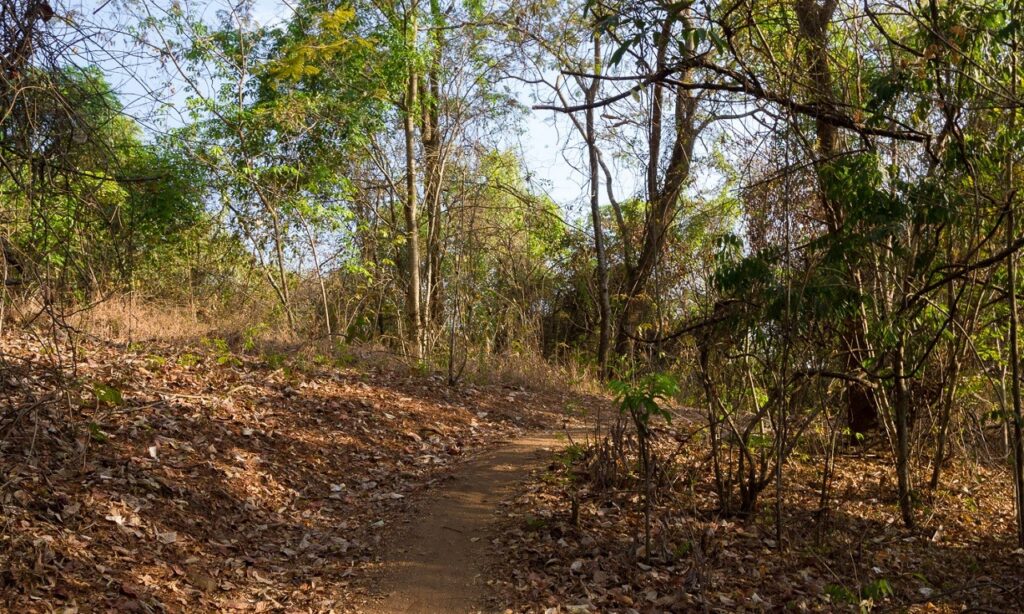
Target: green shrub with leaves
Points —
{"points": [[644, 399]]}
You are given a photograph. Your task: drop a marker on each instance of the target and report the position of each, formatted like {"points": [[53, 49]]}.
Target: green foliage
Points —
{"points": [[878, 590], [188, 359], [421, 368], [110, 201], [107, 394], [97, 434], [840, 594], [644, 398], [869, 594], [571, 454], [221, 351], [251, 336]]}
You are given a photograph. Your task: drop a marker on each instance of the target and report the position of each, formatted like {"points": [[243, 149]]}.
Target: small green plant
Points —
{"points": [[878, 590], [344, 358], [97, 434], [298, 367], [251, 336], [274, 360], [221, 351], [757, 441], [971, 504], [643, 399], [840, 594], [683, 550], [108, 395], [851, 435], [188, 359], [571, 455], [155, 362]]}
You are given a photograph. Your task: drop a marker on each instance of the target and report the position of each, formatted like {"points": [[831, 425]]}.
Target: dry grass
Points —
{"points": [[531, 371], [124, 320], [246, 331]]}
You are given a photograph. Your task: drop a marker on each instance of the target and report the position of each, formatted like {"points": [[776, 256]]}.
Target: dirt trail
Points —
{"points": [[436, 563]]}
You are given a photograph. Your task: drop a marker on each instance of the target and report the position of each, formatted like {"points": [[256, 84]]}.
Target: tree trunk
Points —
{"points": [[412, 299], [663, 199], [319, 275], [433, 166], [902, 410], [282, 273], [814, 19], [1018, 438], [948, 397], [1011, 275], [604, 299], [952, 380], [722, 488]]}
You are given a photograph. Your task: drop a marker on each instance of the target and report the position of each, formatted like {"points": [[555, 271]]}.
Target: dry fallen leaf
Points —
{"points": [[167, 538]]}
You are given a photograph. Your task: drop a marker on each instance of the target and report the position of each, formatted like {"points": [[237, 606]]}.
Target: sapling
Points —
{"points": [[643, 399]]}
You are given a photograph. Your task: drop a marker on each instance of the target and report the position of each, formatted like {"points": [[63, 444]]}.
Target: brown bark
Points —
{"points": [[412, 299], [814, 18], [433, 169], [604, 299], [902, 410], [1011, 275], [662, 197]]}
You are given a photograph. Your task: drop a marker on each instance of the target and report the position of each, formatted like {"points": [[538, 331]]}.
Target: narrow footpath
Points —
{"points": [[436, 563]]}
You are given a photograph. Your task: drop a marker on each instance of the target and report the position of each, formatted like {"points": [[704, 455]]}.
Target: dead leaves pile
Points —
{"points": [[856, 558], [176, 481]]}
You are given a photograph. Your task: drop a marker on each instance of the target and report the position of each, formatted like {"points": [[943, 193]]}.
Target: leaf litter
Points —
{"points": [[170, 481], [854, 557]]}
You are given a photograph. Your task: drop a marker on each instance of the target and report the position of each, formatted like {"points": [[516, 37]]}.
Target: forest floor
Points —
{"points": [[163, 478], [852, 555], [199, 480]]}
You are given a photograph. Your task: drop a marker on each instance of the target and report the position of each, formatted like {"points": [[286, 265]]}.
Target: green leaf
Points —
{"points": [[107, 394]]}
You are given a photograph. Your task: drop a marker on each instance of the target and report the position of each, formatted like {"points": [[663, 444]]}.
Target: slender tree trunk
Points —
{"points": [[1011, 274], [952, 380], [280, 289], [664, 205], [433, 170], [636, 279], [723, 490], [948, 397], [319, 275], [604, 298], [902, 411], [814, 17], [643, 435], [279, 254], [412, 299], [1018, 438]]}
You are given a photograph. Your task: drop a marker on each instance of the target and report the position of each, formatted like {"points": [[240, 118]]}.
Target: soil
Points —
{"points": [[437, 562]]}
